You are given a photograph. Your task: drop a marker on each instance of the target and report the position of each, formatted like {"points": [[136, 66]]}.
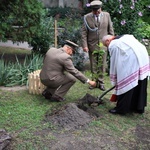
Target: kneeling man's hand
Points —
{"points": [[92, 83]]}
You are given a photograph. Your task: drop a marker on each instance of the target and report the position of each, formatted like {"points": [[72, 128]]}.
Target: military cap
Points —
{"points": [[71, 44], [96, 4]]}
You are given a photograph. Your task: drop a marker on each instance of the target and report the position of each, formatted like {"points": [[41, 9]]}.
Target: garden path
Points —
{"points": [[9, 43]]}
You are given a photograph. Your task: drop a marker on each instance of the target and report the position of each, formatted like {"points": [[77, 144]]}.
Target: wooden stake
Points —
{"points": [[56, 33]]}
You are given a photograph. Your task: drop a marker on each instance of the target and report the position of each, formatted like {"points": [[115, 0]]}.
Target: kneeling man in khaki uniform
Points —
{"points": [[58, 72]]}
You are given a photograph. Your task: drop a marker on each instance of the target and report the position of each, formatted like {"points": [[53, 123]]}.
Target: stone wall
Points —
{"points": [[61, 3]]}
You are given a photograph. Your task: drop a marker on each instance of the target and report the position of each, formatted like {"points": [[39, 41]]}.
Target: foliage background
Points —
{"points": [[29, 111], [35, 24], [30, 21], [19, 19]]}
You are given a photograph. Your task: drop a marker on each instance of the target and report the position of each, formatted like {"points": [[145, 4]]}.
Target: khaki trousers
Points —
{"points": [[61, 85]]}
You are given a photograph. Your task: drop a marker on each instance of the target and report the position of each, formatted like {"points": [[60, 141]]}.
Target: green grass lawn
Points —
{"points": [[22, 114]]}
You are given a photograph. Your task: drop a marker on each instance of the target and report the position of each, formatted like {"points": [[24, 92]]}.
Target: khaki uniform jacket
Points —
{"points": [[56, 62], [91, 38]]}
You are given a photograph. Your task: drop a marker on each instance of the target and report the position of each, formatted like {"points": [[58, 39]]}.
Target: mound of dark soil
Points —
{"points": [[70, 117]]}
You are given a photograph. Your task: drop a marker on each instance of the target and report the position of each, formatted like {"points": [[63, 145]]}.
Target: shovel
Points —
{"points": [[90, 100], [99, 98]]}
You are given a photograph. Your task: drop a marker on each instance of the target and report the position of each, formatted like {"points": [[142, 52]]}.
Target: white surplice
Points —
{"points": [[129, 62]]}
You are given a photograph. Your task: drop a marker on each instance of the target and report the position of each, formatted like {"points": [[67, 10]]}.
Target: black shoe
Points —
{"points": [[57, 99], [91, 87], [101, 87], [47, 94], [44, 92], [114, 111]]}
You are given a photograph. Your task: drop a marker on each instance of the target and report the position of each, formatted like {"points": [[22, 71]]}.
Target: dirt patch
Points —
{"points": [[82, 141], [143, 132]]}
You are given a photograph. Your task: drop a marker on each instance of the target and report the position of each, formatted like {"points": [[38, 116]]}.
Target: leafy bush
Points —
{"points": [[144, 29], [79, 59], [26, 21], [146, 11], [58, 12], [125, 15], [19, 19], [70, 23], [44, 36]]}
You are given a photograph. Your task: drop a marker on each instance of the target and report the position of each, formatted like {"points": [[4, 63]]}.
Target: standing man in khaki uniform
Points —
{"points": [[96, 25], [58, 72]]}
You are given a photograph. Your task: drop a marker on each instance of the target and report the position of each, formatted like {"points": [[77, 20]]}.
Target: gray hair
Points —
{"points": [[106, 37]]}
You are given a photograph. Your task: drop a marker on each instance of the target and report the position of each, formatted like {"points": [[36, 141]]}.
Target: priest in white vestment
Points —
{"points": [[129, 71]]}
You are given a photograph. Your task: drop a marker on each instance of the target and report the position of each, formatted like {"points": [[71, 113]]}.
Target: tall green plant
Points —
{"points": [[4, 73], [17, 73]]}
